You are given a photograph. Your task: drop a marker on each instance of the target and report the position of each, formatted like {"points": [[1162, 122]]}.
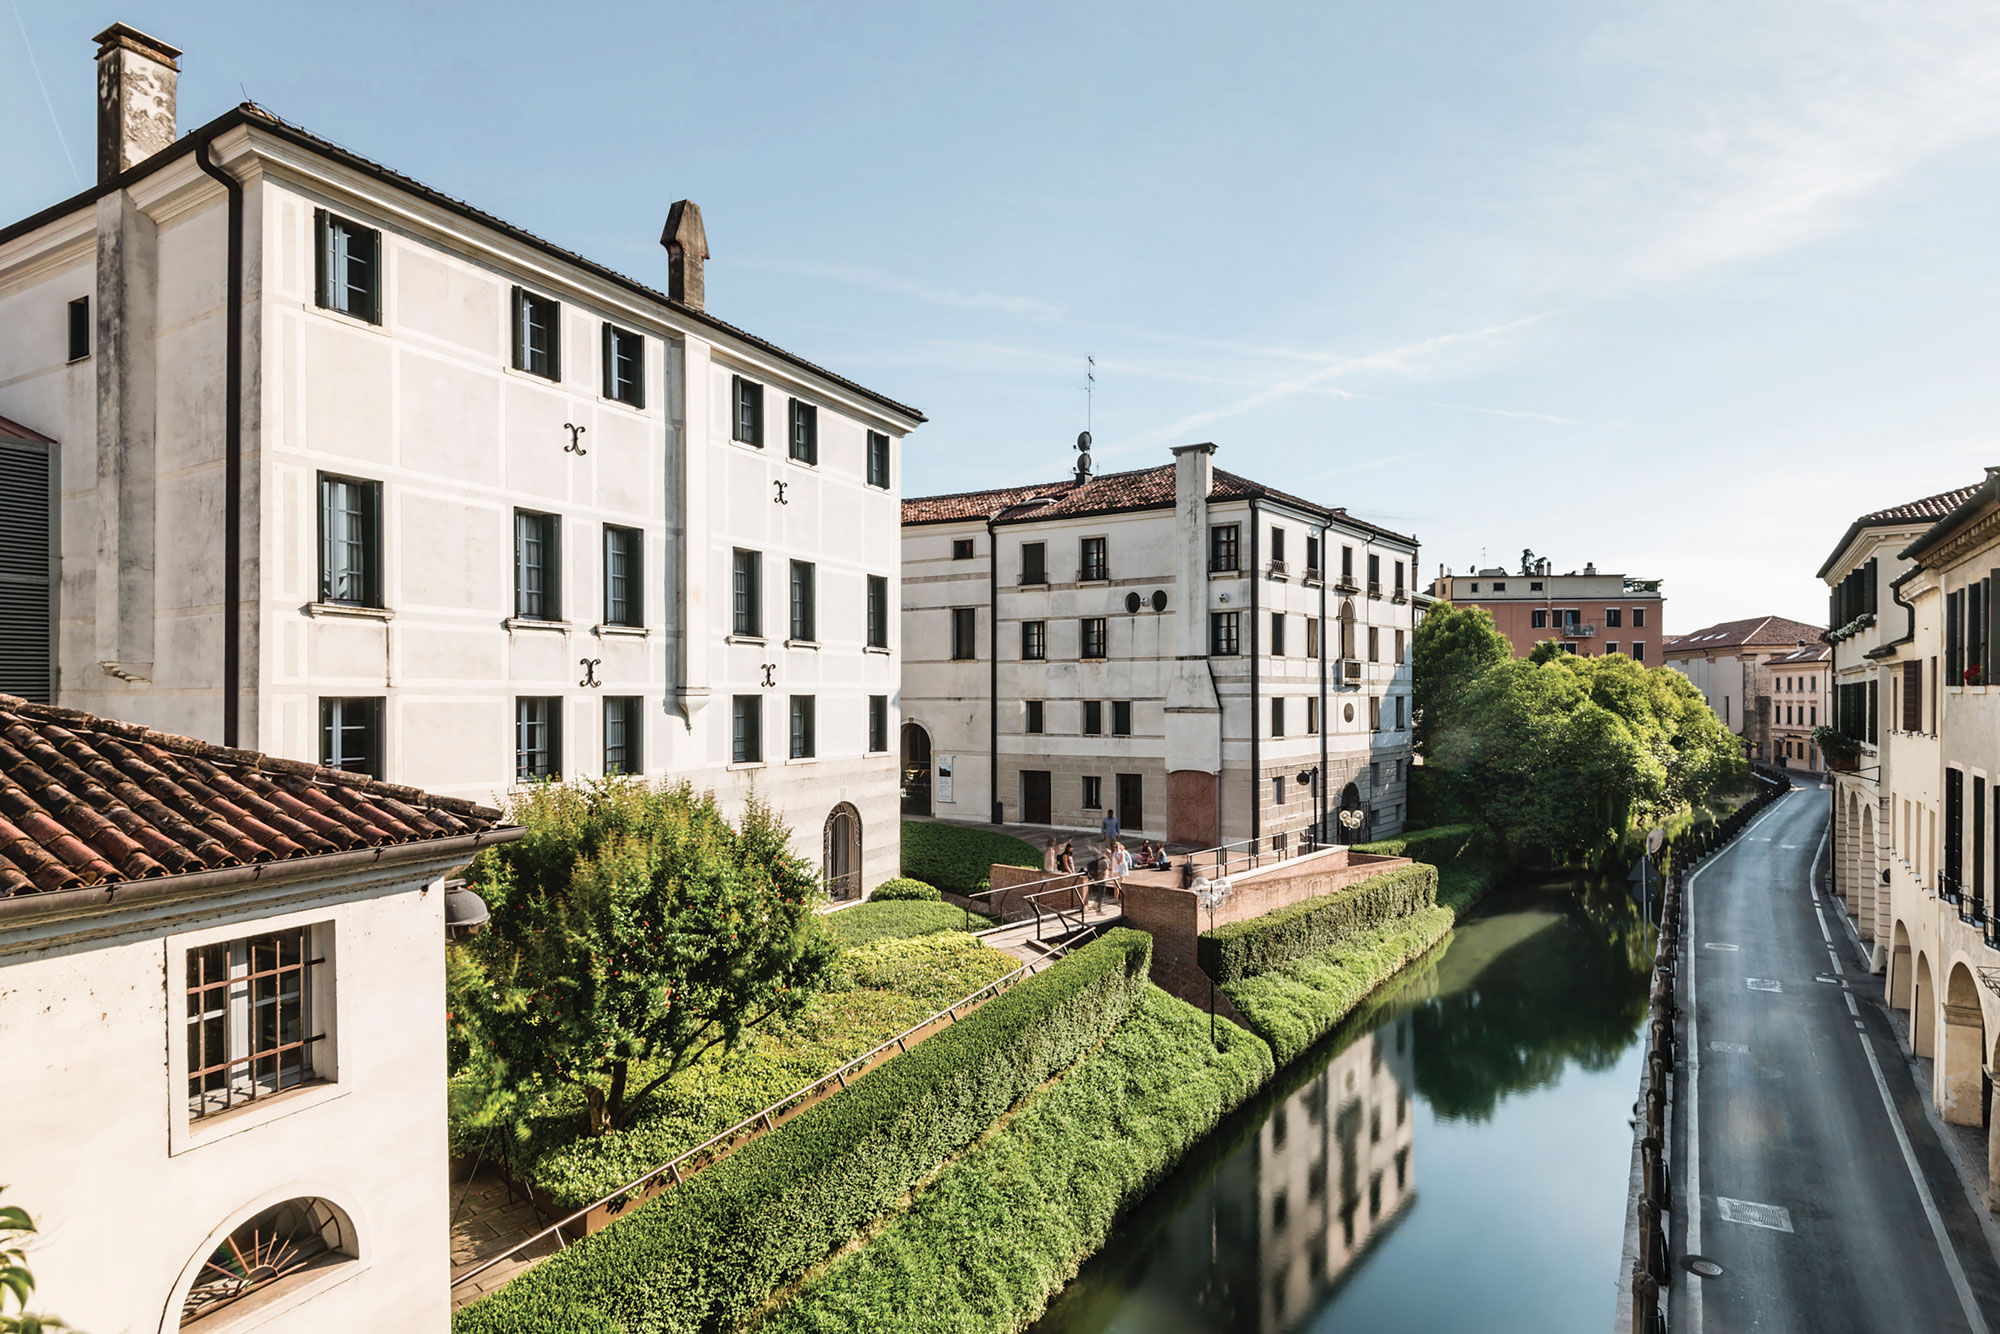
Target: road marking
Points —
{"points": [[1736, 1047], [1834, 955], [1751, 1214], [1788, 847], [1693, 1063], [1852, 1009], [1829, 980], [1717, 945], [1762, 984], [1958, 1283], [1824, 934]]}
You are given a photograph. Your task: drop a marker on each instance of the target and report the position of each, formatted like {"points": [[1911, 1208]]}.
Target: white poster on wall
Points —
{"points": [[945, 764]]}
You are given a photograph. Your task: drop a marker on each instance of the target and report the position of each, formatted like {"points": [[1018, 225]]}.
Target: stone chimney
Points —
{"points": [[1590, 567], [687, 249], [136, 77]]}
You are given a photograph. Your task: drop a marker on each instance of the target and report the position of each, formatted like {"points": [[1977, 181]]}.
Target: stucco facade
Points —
{"points": [[1188, 715], [1588, 613], [1750, 671], [179, 606]]}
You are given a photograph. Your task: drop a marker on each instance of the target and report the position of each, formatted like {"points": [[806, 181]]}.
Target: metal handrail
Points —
{"points": [[672, 1167]]}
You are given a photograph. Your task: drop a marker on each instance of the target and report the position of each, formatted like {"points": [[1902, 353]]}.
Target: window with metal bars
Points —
{"points": [[350, 541], [623, 751], [1034, 640], [255, 1017], [537, 738], [623, 565], [537, 587], [1096, 638], [348, 267]]}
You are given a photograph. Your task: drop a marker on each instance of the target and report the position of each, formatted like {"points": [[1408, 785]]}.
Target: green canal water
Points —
{"points": [[1455, 1158]]}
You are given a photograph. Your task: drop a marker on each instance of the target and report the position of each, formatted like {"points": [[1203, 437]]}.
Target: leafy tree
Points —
{"points": [[17, 1283], [633, 930], [1452, 648]]}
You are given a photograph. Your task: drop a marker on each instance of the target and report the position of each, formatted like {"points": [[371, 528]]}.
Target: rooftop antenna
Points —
{"points": [[1083, 437]]}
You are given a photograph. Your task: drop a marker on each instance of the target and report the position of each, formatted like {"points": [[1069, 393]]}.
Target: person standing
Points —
{"points": [[1051, 853], [1120, 867], [1108, 828]]}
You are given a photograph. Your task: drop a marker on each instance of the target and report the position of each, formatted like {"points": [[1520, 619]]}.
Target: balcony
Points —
{"points": [[1346, 584], [1279, 567], [1577, 630], [1314, 575], [1374, 588], [1400, 595]]}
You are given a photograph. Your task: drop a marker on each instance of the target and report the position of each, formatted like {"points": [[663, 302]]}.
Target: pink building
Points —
{"points": [[1587, 613]]}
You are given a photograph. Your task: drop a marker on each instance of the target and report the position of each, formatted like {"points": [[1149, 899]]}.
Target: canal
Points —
{"points": [[1454, 1158]]}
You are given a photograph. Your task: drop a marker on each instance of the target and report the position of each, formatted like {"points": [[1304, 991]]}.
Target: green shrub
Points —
{"points": [[902, 887], [880, 989], [1315, 925], [1438, 845], [1293, 1005], [706, 1254], [871, 921], [1464, 884], [1001, 1229], [959, 859]]}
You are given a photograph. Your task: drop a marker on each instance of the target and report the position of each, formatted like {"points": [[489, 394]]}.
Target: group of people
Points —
{"points": [[1117, 862]]}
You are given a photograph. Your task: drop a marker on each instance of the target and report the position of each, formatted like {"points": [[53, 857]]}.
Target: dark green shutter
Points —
{"points": [[27, 565], [520, 361], [610, 362], [321, 276], [381, 278], [555, 340]]}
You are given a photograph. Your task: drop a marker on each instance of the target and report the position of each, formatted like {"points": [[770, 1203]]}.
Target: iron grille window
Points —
{"points": [[748, 396], [1034, 641], [746, 729], [79, 328], [878, 724], [1223, 545], [878, 459], [1093, 794], [1278, 715], [254, 1010], [746, 593], [348, 267], [350, 735], [804, 431], [537, 738], [1222, 636], [1093, 560], [805, 615], [624, 366], [536, 584], [537, 335], [1093, 717], [350, 541], [1034, 723], [1034, 563], [1121, 717], [623, 565], [1096, 637], [805, 743], [1277, 634], [878, 611], [623, 751], [964, 634]]}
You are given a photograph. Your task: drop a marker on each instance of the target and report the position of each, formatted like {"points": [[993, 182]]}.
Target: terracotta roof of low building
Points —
{"points": [[1753, 632], [1927, 510], [13, 430], [1109, 493], [1808, 654], [88, 801]]}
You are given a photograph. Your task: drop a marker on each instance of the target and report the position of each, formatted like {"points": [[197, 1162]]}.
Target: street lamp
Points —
{"points": [[1210, 894], [1309, 780]]}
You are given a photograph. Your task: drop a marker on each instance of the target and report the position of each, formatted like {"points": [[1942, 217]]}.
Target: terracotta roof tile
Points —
{"points": [[1106, 493], [1930, 507], [90, 801], [1755, 631], [1810, 654]]}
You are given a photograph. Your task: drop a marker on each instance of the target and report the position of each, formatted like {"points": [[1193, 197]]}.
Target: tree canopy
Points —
{"points": [[1453, 647], [632, 930]]}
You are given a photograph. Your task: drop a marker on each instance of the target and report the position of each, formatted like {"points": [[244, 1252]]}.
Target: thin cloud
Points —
{"points": [[877, 279], [1511, 412]]}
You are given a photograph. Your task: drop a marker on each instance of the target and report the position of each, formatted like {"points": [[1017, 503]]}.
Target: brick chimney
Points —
{"points": [[136, 77], [687, 248]]}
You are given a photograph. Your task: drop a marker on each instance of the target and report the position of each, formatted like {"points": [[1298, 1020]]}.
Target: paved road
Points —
{"points": [[1793, 1086]]}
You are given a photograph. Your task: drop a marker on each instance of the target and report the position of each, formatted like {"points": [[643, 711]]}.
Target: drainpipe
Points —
{"points": [[232, 457], [1221, 736], [1325, 718], [1256, 670], [993, 669]]}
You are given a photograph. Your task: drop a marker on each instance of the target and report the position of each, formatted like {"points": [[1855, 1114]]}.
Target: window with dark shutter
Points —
{"points": [[748, 418], [623, 752], [27, 567], [79, 328], [878, 723], [805, 599], [348, 267], [537, 334], [537, 571], [878, 459], [624, 366], [1121, 717], [1913, 696], [1034, 563], [804, 432], [350, 541], [624, 602], [1034, 721], [964, 635], [878, 611], [1093, 717], [746, 593]]}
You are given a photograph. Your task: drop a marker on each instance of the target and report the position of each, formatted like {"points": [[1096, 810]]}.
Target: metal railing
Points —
{"points": [[678, 1169], [1577, 630]]}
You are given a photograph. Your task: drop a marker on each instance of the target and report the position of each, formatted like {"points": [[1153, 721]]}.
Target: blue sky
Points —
{"points": [[1675, 289]]}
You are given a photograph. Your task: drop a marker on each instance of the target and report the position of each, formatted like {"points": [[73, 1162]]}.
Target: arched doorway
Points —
{"points": [[282, 1244], [1350, 825], [1899, 968], [1961, 1068], [1865, 889], [843, 853], [916, 770], [1923, 1011]]}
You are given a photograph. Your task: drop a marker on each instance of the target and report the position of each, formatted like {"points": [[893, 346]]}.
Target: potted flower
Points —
{"points": [[1975, 675], [1843, 752]]}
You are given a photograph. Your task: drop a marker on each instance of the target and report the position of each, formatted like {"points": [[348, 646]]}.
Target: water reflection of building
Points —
{"points": [[1333, 1172]]}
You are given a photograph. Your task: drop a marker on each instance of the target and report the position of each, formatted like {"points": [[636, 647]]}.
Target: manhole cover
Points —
{"points": [[1702, 1265]]}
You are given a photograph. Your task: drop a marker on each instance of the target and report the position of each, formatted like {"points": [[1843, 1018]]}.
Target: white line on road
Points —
{"points": [[1752, 1214], [1951, 1264], [1717, 945], [1736, 1047], [1852, 1009], [1763, 984], [1824, 934]]}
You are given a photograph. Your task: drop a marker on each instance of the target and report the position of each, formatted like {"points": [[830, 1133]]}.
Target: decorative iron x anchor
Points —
{"points": [[590, 666]]}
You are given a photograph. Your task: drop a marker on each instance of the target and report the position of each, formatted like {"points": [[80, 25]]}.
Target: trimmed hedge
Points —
{"points": [[1293, 1005], [1437, 845], [903, 888], [1464, 884], [869, 922], [708, 1253], [1313, 926], [959, 859], [984, 1246]]}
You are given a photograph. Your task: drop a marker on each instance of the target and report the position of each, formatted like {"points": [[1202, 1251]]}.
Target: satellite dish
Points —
{"points": [[1083, 440], [1656, 837], [1159, 599], [1083, 460], [1131, 602]]}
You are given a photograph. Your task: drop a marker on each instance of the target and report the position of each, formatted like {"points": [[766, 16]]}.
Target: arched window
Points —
{"points": [[270, 1250], [1347, 628], [843, 853], [916, 770]]}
